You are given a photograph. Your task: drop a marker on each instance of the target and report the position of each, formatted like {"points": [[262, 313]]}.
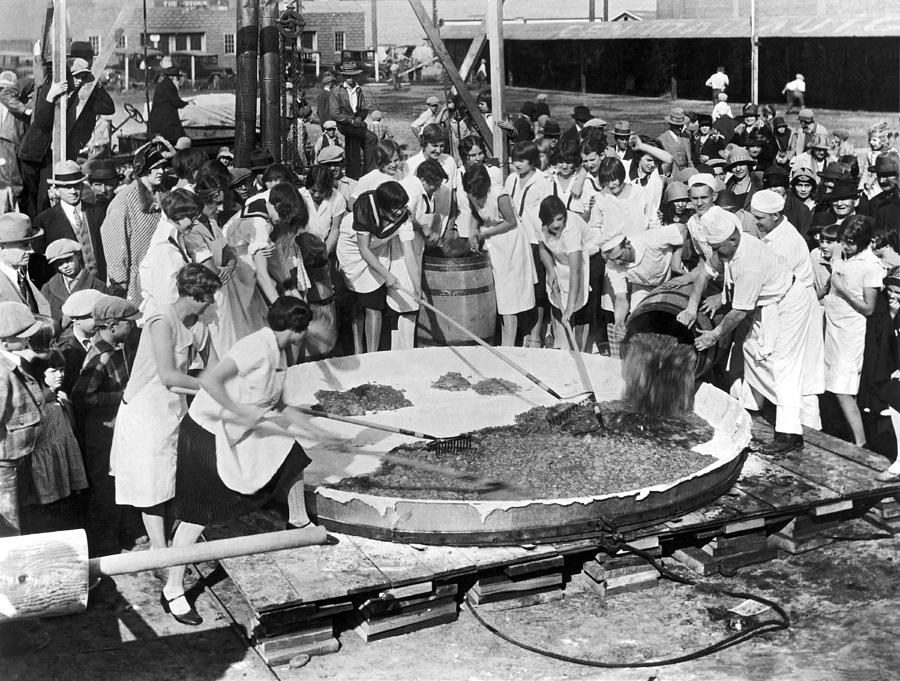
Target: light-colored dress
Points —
{"points": [[359, 276], [143, 453], [166, 255], [246, 459], [512, 263], [845, 328], [574, 238]]}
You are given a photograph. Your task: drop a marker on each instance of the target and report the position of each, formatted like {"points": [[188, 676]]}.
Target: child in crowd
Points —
{"points": [[71, 275], [329, 137], [76, 339], [96, 398]]}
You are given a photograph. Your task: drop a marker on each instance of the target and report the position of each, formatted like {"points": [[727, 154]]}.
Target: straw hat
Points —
{"points": [[66, 174]]}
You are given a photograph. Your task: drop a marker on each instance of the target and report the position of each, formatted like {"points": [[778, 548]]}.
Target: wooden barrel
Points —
{"points": [[657, 313], [322, 334], [462, 288]]}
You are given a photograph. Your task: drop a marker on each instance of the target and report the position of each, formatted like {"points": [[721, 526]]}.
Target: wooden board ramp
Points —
{"points": [[302, 600]]}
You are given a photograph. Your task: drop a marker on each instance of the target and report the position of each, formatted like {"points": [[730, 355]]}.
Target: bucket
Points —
{"points": [[657, 314], [321, 337], [462, 288]]}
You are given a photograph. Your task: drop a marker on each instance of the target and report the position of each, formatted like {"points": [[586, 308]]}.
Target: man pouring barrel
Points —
{"points": [[762, 292]]}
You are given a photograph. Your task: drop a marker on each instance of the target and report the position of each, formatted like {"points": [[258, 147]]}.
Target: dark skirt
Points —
{"points": [[201, 497]]}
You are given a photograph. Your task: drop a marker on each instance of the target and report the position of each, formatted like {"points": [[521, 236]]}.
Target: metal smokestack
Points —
{"points": [[270, 78], [247, 58]]}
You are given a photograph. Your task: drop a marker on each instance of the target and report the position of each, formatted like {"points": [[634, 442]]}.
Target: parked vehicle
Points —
{"points": [[366, 61], [205, 68]]}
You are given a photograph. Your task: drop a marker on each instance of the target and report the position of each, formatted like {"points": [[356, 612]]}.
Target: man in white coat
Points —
{"points": [[761, 289], [767, 208]]}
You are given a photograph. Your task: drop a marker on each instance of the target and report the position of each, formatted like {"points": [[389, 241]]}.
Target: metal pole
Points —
{"points": [[375, 37], [270, 84], [754, 55], [146, 62], [494, 22], [247, 56]]}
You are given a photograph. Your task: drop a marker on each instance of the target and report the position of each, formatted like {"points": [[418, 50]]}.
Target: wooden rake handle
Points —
{"points": [[519, 368], [361, 422], [582, 371]]}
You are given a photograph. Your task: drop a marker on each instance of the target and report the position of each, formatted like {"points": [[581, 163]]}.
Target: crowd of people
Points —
{"points": [[146, 320]]}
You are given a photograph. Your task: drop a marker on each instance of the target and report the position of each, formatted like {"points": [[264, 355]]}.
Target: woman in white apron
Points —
{"points": [[227, 467], [855, 283], [326, 206], [565, 252], [378, 224], [142, 456], [505, 240]]}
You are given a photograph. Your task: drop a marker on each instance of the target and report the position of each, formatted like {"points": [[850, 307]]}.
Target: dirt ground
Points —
{"points": [[644, 113], [842, 600]]}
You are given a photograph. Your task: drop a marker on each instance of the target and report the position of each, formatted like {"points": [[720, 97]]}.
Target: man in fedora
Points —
{"points": [[21, 405], [164, 119], [675, 141], [348, 108], [35, 155], [68, 219], [102, 178], [620, 148], [16, 237], [580, 115]]}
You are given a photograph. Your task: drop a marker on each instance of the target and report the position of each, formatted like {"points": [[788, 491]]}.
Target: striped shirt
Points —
{"points": [[131, 220]]}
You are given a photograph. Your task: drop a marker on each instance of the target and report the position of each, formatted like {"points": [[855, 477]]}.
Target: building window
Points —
{"points": [[338, 41], [229, 43], [309, 40], [188, 41], [94, 40], [122, 42]]}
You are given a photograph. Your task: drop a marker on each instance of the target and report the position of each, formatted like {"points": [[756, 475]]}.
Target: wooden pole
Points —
{"points": [[494, 16], [270, 78], [605, 10], [592, 10], [146, 60], [375, 38], [754, 55], [447, 62], [49, 574], [60, 45], [246, 80]]}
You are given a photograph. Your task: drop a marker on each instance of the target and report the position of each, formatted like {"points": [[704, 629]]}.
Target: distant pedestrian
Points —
{"points": [[795, 92], [395, 74], [430, 115], [164, 118], [718, 82]]}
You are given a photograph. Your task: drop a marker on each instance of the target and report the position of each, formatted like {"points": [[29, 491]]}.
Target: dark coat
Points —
{"points": [[56, 293], [573, 134], [164, 119], [36, 142], [57, 226], [74, 353]]}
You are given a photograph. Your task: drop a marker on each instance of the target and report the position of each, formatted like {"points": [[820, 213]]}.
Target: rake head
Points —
{"points": [[562, 412], [449, 445]]}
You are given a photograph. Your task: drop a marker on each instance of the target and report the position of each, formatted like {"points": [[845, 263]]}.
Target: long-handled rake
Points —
{"points": [[519, 368], [451, 444], [457, 443], [585, 382]]}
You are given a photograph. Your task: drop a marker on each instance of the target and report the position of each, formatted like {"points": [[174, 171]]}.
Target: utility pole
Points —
{"points": [[375, 36], [754, 55], [60, 45], [494, 21]]}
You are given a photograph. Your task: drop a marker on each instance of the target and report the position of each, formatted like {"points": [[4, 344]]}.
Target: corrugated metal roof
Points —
{"points": [[769, 27]]}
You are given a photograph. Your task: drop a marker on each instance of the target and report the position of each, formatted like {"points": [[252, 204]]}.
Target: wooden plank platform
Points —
{"points": [[826, 483]]}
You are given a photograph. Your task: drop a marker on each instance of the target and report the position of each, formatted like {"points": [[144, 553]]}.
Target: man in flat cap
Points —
{"points": [[71, 276], [767, 207], [762, 294], [21, 408]]}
